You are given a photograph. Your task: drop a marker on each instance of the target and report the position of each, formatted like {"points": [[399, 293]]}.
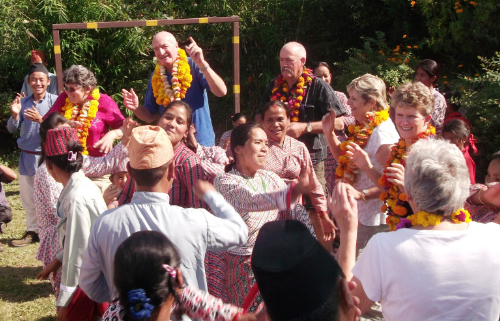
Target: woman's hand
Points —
{"points": [[61, 315], [329, 228], [128, 125], [130, 99], [111, 194], [303, 186], [396, 175], [344, 207], [105, 144], [358, 156], [491, 195], [191, 137], [328, 122], [52, 267]]}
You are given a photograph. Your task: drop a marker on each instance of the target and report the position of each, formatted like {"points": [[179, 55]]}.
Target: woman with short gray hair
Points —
{"points": [[90, 112], [438, 265]]}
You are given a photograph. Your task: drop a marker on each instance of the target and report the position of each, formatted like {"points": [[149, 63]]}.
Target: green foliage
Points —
{"points": [[394, 66], [481, 98]]}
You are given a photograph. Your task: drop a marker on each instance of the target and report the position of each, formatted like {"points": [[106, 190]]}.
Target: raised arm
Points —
{"points": [[131, 101]]}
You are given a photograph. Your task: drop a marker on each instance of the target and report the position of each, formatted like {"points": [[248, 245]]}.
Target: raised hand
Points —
{"points": [[130, 99], [396, 175], [196, 53], [15, 107], [328, 122], [358, 156], [128, 125]]}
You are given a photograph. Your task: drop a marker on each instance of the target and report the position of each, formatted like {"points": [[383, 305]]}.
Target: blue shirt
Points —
{"points": [[196, 97], [30, 132]]}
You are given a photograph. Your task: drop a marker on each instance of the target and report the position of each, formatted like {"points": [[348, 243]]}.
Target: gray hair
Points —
{"points": [[415, 95], [370, 87], [78, 74], [436, 177]]}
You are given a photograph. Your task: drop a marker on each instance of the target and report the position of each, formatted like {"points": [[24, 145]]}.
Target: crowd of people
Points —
{"points": [[320, 206]]}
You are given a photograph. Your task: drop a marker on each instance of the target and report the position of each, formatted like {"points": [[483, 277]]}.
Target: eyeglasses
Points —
{"points": [[71, 89]]}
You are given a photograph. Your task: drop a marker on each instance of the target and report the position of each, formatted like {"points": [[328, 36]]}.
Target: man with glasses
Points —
{"points": [[177, 77], [27, 113]]}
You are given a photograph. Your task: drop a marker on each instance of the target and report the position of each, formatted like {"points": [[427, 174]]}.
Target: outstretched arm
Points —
{"points": [[131, 101], [217, 85]]}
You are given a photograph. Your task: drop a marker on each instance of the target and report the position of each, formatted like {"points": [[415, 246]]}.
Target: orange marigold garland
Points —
{"points": [[165, 92], [394, 200], [360, 133], [293, 99], [84, 116]]}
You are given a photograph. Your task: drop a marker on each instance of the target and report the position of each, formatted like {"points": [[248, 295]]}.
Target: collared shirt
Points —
{"points": [[193, 231], [30, 132], [196, 97], [319, 99], [80, 203], [3, 199]]}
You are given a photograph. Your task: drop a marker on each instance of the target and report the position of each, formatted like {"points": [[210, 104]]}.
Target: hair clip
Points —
{"points": [[72, 156], [170, 270]]}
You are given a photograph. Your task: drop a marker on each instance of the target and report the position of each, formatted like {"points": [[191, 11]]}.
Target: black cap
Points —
{"points": [[37, 66], [296, 275]]}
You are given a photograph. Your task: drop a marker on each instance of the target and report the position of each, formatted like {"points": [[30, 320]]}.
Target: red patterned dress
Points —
{"points": [[259, 199]]}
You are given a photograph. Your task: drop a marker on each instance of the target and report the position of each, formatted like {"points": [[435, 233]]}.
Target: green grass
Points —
{"points": [[22, 297]]}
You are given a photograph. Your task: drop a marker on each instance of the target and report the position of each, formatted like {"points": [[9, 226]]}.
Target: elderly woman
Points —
{"points": [[375, 133], [428, 74], [441, 266], [91, 113], [413, 103], [259, 196], [290, 159]]}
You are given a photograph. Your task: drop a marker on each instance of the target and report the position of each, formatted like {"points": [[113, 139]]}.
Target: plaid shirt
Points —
{"points": [[188, 170], [289, 161]]}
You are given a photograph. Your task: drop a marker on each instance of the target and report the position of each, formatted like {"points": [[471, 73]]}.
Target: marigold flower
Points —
{"points": [[474, 3], [412, 4], [295, 118], [402, 197], [384, 208], [400, 210], [383, 196]]}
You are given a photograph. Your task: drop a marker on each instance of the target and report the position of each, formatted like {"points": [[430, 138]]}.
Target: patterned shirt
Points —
{"points": [[225, 137], [291, 160], [213, 154], [188, 170], [259, 200], [319, 99], [194, 303], [481, 213]]}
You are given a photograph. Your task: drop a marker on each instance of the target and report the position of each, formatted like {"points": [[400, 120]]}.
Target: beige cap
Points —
{"points": [[149, 147]]}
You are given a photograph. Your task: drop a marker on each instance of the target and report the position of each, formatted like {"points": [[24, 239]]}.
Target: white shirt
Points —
{"points": [[193, 231], [369, 211], [434, 275]]}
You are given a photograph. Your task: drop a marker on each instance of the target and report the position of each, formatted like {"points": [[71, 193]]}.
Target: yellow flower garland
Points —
{"points": [[425, 219], [84, 116], [181, 80], [360, 133]]}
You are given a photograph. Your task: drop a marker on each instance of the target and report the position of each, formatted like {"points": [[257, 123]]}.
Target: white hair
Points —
{"points": [[436, 177]]}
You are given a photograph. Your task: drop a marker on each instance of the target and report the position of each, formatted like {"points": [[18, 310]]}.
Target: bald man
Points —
{"points": [[165, 47], [318, 99]]}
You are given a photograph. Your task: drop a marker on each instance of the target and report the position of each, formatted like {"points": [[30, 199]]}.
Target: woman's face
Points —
{"points": [[323, 73], [452, 138], [253, 154], [424, 78], [493, 172], [410, 122], [174, 121], [76, 93], [240, 121], [359, 107], [276, 123]]}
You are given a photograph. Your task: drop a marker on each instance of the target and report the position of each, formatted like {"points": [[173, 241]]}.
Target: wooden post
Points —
{"points": [[236, 66], [57, 58]]}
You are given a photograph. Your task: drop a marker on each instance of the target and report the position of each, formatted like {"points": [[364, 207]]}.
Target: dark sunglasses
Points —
{"points": [[71, 89]]}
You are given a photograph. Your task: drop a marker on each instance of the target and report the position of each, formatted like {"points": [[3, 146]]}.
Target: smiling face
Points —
{"points": [[291, 63], [38, 82], [165, 47], [175, 123], [410, 122], [76, 93], [276, 123], [424, 78], [323, 73], [119, 179], [252, 156], [359, 107]]}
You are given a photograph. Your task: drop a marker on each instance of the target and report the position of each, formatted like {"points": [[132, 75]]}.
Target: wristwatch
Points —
{"points": [[309, 127]]}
